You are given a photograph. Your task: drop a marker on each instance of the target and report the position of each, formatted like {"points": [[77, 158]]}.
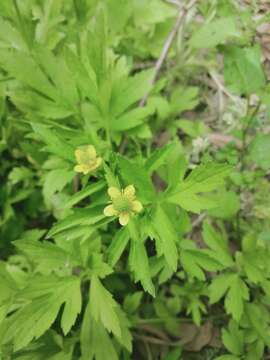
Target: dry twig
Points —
{"points": [[198, 220], [165, 50], [166, 47], [173, 2], [221, 87]]}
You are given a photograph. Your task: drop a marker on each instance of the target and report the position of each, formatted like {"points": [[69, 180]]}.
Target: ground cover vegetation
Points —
{"points": [[135, 167]]}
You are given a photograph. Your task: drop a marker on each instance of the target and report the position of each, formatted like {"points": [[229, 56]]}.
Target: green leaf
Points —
{"points": [[228, 205], [95, 46], [160, 106], [25, 69], [49, 16], [55, 143], [118, 245], [105, 311], [254, 264], [183, 99], [46, 255], [193, 261], [119, 11], [220, 286], [135, 174], [50, 89], [192, 128], [237, 294], [193, 202], [258, 321], [126, 339], [50, 346], [218, 245], [95, 340], [132, 90], [204, 178], [103, 307], [44, 296], [176, 167], [7, 9], [131, 119], [163, 313], [32, 235], [260, 151], [11, 36], [243, 72], [31, 102], [196, 308], [214, 33], [139, 265], [255, 351], [132, 302], [19, 174], [85, 192], [55, 181], [85, 80], [86, 216], [72, 306], [159, 157], [58, 73], [233, 339], [167, 236], [154, 11], [97, 266], [8, 287]]}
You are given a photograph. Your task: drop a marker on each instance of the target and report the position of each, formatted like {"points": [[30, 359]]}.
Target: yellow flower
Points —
{"points": [[87, 160], [124, 204]]}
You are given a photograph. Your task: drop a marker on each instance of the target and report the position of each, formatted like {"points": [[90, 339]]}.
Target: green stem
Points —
{"points": [[250, 115], [243, 152], [107, 130]]}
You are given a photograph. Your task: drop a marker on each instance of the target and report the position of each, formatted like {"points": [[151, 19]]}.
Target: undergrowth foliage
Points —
{"points": [[135, 191]]}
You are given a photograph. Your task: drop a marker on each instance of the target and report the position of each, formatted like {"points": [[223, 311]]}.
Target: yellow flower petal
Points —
{"points": [[79, 154], [86, 170], [114, 192], [92, 167], [137, 206], [81, 169], [124, 218], [91, 151], [110, 211], [129, 192]]}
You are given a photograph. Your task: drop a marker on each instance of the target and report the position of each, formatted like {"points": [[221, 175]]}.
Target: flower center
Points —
{"points": [[122, 204]]}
